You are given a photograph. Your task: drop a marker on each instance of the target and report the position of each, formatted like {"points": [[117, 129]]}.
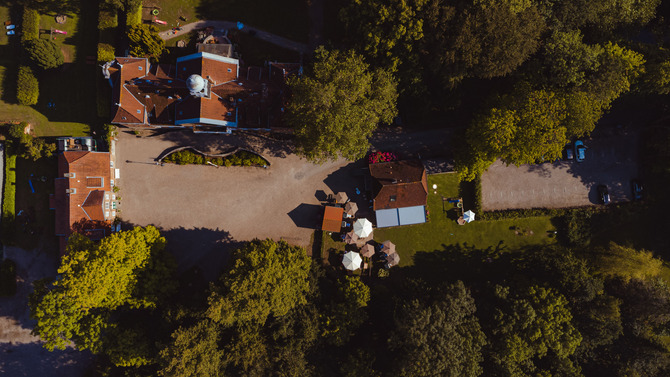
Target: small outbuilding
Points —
{"points": [[332, 219]]}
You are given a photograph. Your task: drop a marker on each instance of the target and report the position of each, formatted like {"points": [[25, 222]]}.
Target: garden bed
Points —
{"points": [[192, 156]]}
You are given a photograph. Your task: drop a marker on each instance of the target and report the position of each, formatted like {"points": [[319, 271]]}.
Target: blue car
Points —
{"points": [[580, 151]]}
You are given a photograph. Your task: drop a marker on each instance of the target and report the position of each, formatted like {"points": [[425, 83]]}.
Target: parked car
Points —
{"points": [[11, 32], [569, 154], [603, 194], [637, 189], [580, 151]]}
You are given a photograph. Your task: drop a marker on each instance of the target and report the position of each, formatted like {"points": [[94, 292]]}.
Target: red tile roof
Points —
{"points": [[145, 95], [332, 219], [82, 190], [400, 184]]}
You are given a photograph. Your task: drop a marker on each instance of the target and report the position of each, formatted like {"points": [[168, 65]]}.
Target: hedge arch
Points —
{"points": [[210, 155]]}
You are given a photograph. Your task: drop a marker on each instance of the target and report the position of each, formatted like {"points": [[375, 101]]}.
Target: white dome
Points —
{"points": [[195, 83]]}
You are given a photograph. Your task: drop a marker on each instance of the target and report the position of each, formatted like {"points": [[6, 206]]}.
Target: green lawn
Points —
{"points": [[255, 51], [70, 88], [36, 223], [442, 228], [4, 16], [287, 18]]}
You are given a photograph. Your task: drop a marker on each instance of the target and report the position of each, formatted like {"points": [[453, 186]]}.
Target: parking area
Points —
{"points": [[611, 159], [201, 209]]}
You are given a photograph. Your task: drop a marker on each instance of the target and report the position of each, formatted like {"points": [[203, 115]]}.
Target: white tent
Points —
{"points": [[362, 228], [469, 216], [352, 261]]}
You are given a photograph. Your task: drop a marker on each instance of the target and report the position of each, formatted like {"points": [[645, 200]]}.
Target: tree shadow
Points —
{"points": [[208, 249], [307, 216], [32, 359], [262, 144]]}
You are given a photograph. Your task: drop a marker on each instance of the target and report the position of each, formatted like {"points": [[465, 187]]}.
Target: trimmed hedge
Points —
{"points": [[134, 16], [30, 24], [27, 87], [105, 53], [471, 192], [241, 158], [107, 19], [9, 197], [7, 278], [44, 53]]}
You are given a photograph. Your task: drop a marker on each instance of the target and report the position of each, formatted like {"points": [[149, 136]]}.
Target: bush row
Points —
{"points": [[30, 24], [241, 158], [471, 192], [27, 87], [107, 19], [9, 197], [7, 278]]}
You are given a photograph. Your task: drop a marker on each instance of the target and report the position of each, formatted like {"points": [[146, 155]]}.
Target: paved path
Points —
{"points": [[22, 352], [260, 34]]}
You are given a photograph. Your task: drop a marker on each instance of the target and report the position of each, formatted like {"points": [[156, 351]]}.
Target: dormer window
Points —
{"points": [[139, 111], [392, 198], [140, 68], [230, 70]]}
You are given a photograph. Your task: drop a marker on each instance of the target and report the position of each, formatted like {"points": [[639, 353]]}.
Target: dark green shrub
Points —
{"points": [[574, 227], [44, 53], [7, 278], [9, 199], [27, 87], [30, 24], [471, 192], [107, 19], [105, 53]]}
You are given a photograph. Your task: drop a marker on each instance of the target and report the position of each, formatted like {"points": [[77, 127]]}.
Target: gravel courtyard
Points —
{"points": [[610, 160], [201, 209]]}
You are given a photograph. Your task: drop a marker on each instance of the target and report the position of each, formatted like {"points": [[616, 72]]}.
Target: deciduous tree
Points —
{"points": [[145, 42], [267, 278], [442, 338], [335, 109], [96, 280]]}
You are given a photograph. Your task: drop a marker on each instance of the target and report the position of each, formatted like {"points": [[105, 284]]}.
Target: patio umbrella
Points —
{"points": [[362, 228], [469, 216], [393, 259], [341, 197], [351, 238], [352, 261], [388, 247], [367, 250], [350, 208]]}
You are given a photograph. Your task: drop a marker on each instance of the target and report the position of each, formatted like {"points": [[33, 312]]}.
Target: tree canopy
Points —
{"points": [[440, 338], [335, 109], [44, 53], [145, 42], [267, 278], [126, 269]]}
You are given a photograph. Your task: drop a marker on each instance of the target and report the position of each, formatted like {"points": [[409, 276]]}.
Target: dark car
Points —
{"points": [[603, 194], [637, 189], [569, 152]]}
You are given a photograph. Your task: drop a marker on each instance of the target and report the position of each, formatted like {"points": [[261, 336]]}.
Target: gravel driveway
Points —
{"points": [[202, 208], [610, 160]]}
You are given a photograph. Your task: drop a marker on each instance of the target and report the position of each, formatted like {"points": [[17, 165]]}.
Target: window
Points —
{"points": [[140, 68], [139, 111], [106, 205], [230, 70], [392, 198]]}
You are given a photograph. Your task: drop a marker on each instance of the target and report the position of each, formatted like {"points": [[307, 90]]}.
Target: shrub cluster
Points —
{"points": [[27, 87], [7, 278], [105, 53], [107, 19], [30, 24], [134, 14], [242, 158], [44, 53]]}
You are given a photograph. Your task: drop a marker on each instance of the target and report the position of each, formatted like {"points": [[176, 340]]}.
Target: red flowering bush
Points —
{"points": [[376, 157]]}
